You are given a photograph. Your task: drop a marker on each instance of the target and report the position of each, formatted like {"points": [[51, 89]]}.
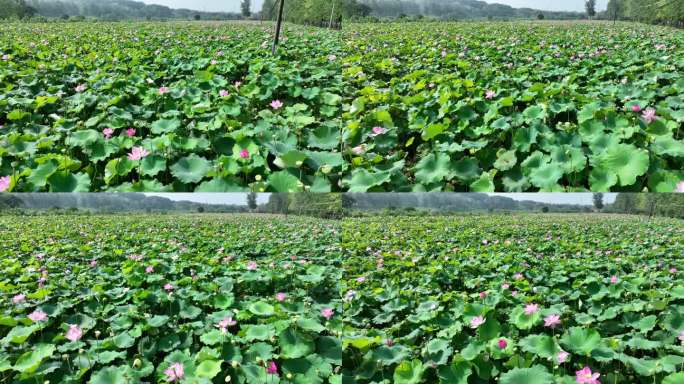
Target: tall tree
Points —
{"points": [[590, 6], [614, 9], [246, 8], [598, 201], [252, 200]]}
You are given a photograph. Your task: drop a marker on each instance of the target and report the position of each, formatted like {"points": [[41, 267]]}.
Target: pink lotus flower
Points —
{"points": [[251, 265], [359, 150], [502, 344], [678, 189], [327, 313], [514, 293], [225, 323], [149, 269], [586, 376], [175, 372], [505, 286], [483, 294], [562, 357], [490, 95], [5, 57], [108, 132], [138, 153], [244, 153], [673, 270], [613, 279], [164, 90], [280, 296], [20, 298], [38, 315], [276, 104], [531, 309], [74, 333], [361, 279], [5, 182], [649, 115], [378, 131], [681, 337], [518, 276], [168, 287], [272, 368], [237, 84], [80, 88], [551, 321], [332, 57], [223, 93], [93, 263], [130, 132], [636, 108], [214, 62], [476, 321]]}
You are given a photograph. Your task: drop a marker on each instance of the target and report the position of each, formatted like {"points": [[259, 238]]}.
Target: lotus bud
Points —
{"points": [[326, 169], [257, 177], [81, 351], [234, 364], [299, 163], [97, 333], [137, 363], [289, 376], [258, 359], [46, 382], [227, 379], [65, 356]]}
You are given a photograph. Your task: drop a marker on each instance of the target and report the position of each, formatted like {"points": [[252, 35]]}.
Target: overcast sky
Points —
{"points": [[558, 198], [213, 198], [234, 5]]}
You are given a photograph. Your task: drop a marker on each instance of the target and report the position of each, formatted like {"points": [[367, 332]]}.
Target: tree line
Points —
{"points": [[669, 12], [104, 10], [316, 12], [650, 204]]}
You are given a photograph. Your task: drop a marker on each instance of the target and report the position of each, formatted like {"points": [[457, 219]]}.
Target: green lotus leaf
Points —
{"points": [[409, 372], [295, 344], [208, 369], [284, 182], [165, 126], [581, 340], [261, 308], [29, 361], [108, 375], [190, 169], [432, 168], [541, 345], [626, 161], [536, 374]]}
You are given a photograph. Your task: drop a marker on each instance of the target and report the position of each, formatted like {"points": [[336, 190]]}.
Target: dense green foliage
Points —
{"points": [[652, 204], [314, 11], [650, 11], [141, 293], [523, 106], [169, 106], [15, 9], [444, 299]]}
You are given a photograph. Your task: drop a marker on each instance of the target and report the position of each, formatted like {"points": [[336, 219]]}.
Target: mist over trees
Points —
{"points": [[103, 10], [458, 9]]}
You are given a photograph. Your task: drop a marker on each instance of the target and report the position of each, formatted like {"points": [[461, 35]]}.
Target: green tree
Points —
{"points": [[252, 200], [590, 6], [245, 8], [598, 201]]}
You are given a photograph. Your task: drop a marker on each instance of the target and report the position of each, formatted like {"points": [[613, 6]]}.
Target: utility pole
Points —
{"points": [[279, 23]]}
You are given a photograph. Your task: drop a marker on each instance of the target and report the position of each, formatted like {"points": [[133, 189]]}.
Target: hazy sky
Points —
{"points": [[213, 198], [234, 5], [558, 198]]}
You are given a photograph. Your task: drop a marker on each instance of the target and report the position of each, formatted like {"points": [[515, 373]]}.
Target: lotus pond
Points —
{"points": [[516, 299], [168, 107], [160, 299], [522, 106]]}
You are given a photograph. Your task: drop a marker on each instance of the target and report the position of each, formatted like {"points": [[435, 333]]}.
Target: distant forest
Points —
{"points": [[651, 204], [103, 10]]}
